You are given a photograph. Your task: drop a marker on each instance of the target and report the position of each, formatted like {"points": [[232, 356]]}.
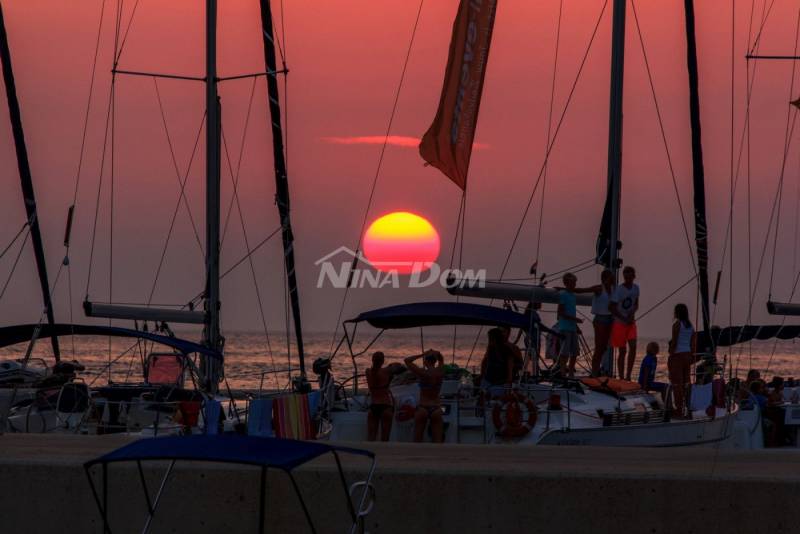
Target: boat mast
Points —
{"points": [[615, 135], [281, 180], [700, 226], [25, 178], [210, 368]]}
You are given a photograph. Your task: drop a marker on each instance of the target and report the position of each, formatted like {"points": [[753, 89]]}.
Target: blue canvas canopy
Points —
{"points": [[285, 454], [262, 452], [420, 314], [11, 335]]}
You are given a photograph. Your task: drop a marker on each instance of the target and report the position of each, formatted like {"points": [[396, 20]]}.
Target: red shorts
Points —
{"points": [[621, 333]]}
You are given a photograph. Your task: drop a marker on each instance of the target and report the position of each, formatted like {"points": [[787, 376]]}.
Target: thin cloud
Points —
{"points": [[402, 141]]}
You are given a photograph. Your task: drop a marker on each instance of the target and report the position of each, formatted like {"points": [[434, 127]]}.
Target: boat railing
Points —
{"points": [[264, 374], [142, 414]]}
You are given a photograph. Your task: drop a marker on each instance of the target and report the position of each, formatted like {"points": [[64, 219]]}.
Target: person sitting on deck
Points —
{"points": [[516, 353], [757, 394], [497, 366], [753, 375], [568, 326], [381, 408], [647, 372], [431, 376], [774, 433]]}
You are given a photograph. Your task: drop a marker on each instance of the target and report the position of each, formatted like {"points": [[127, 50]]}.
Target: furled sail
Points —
{"points": [[732, 335], [700, 224], [447, 145], [608, 238]]}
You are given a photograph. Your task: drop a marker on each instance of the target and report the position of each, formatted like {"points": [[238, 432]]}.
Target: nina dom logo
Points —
{"points": [[400, 250]]}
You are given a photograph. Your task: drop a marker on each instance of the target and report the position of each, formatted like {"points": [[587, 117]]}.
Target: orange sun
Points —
{"points": [[401, 241]]}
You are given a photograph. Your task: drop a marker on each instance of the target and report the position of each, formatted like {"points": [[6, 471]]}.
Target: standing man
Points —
{"points": [[568, 327], [624, 304]]}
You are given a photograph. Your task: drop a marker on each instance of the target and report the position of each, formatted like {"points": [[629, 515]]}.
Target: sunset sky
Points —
{"points": [[345, 58]]}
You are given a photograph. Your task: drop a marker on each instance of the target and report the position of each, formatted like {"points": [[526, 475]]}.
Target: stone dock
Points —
{"points": [[420, 488]]}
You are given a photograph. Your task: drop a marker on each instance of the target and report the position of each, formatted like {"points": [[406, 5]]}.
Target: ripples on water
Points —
{"points": [[247, 356]]}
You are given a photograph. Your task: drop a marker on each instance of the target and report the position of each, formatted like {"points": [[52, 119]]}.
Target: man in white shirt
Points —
{"points": [[624, 303]]}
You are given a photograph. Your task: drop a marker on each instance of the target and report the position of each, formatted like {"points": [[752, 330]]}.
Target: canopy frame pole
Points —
{"points": [[262, 500], [152, 514], [361, 512], [144, 487], [99, 504], [344, 487], [105, 497], [302, 502]]}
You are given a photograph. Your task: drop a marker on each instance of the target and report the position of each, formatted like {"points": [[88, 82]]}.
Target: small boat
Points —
{"points": [[165, 401], [588, 411]]}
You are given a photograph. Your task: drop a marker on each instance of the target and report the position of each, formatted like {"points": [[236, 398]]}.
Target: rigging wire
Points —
{"points": [[749, 192], [236, 264], [549, 128], [773, 211], [247, 247], [181, 182], [14, 240], [118, 53], [236, 175], [664, 138], [663, 300], [460, 224], [757, 41], [787, 140], [555, 137], [745, 132], [16, 262], [99, 192], [547, 156], [378, 169], [732, 178]]}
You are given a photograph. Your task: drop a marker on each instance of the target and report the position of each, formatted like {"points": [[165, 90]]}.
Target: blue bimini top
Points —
{"points": [[285, 454]]}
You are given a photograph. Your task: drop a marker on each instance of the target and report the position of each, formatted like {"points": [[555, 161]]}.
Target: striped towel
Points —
{"points": [[292, 417]]}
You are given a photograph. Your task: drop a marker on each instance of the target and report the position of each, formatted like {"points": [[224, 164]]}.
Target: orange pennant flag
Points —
{"points": [[447, 145]]}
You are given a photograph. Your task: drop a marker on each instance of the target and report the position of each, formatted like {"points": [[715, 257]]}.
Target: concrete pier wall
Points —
{"points": [[422, 488]]}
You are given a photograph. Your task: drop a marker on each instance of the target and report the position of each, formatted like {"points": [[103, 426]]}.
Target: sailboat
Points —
{"points": [[175, 395], [548, 410]]}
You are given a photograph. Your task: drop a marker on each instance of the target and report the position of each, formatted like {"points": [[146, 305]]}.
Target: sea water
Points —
{"points": [[248, 356]]}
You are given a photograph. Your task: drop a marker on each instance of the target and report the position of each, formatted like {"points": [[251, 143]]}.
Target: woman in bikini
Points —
{"points": [[431, 376], [381, 408]]}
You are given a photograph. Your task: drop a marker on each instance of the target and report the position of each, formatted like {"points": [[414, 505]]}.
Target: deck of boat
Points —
{"points": [[425, 488]]}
